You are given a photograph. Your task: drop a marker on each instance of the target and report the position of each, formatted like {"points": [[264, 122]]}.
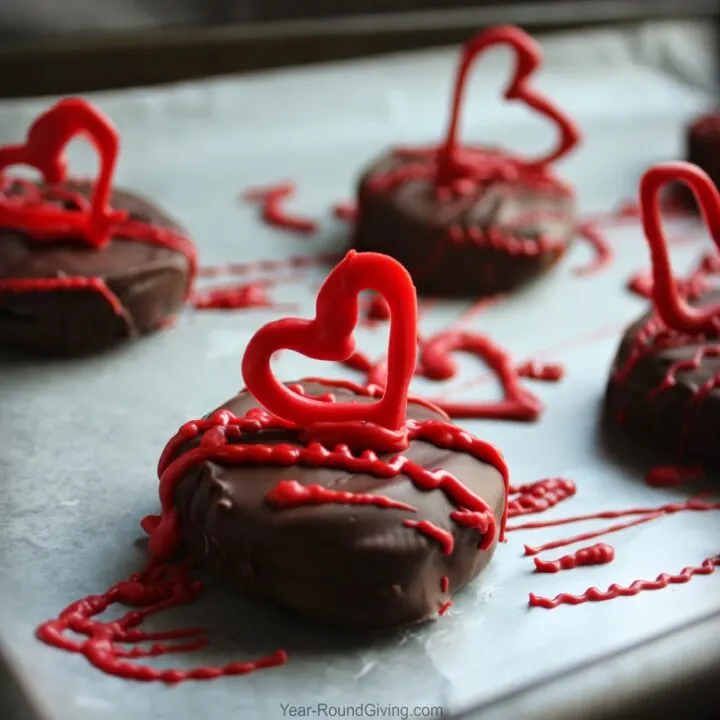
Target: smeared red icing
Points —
{"points": [[347, 211], [592, 234], [235, 297], [272, 199], [33, 210], [157, 588], [707, 567], [674, 475], [538, 370], [290, 493], [599, 554], [443, 537]]}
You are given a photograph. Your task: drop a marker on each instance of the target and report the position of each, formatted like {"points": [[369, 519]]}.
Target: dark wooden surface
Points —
{"points": [[72, 63]]}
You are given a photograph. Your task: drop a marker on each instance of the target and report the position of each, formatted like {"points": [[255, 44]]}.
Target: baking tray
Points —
{"points": [[81, 438]]}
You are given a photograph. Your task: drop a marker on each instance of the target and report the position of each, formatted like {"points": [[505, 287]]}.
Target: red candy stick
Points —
{"points": [[669, 303], [528, 56], [43, 150], [329, 337]]}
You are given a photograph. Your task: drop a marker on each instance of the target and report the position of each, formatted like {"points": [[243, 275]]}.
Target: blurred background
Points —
{"points": [[60, 46]]}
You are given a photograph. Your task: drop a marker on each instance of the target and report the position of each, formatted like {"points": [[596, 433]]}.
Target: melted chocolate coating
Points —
{"points": [[149, 281], [677, 422], [351, 565], [409, 223]]}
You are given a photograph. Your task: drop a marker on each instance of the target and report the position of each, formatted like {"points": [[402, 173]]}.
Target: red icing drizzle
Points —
{"points": [[445, 588], [674, 475], [34, 211], [539, 496], [599, 554], [157, 588], [290, 493], [592, 234], [272, 201], [707, 567], [443, 537]]}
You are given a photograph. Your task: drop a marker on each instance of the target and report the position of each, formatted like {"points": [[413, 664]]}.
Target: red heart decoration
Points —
{"points": [[43, 150], [329, 337], [669, 302], [528, 56], [438, 364]]}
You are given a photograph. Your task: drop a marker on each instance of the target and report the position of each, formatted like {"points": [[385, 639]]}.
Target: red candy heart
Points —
{"points": [[43, 150], [329, 337], [528, 58], [438, 364], [669, 303]]}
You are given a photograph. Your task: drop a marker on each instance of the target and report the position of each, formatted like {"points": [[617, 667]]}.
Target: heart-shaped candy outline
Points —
{"points": [[43, 150], [328, 336], [528, 58], [517, 403], [669, 303]]}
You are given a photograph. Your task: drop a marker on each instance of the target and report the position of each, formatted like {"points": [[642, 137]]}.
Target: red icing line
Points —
{"points": [[537, 370], [599, 554], [425, 527], [157, 588], [591, 535], [591, 233], [290, 494], [34, 212], [445, 588], [445, 584], [272, 200], [347, 211], [294, 262], [670, 378], [707, 567], [26, 285], [445, 607], [517, 404]]}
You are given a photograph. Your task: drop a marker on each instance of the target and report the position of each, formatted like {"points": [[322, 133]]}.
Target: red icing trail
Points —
{"points": [[347, 211], [592, 234], [707, 567], [157, 588], [272, 199], [599, 554], [425, 527], [290, 494], [36, 213], [445, 588], [235, 297], [294, 262], [437, 363], [536, 370]]}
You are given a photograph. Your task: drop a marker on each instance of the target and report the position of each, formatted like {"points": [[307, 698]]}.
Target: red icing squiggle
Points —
{"points": [[157, 588], [707, 567], [599, 554], [539, 496], [347, 211], [537, 370], [294, 262], [290, 493], [271, 199], [236, 297], [674, 475]]}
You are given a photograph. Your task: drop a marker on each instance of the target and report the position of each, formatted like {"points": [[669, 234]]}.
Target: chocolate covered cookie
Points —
{"points": [[351, 504], [472, 221], [82, 265], [664, 386]]}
